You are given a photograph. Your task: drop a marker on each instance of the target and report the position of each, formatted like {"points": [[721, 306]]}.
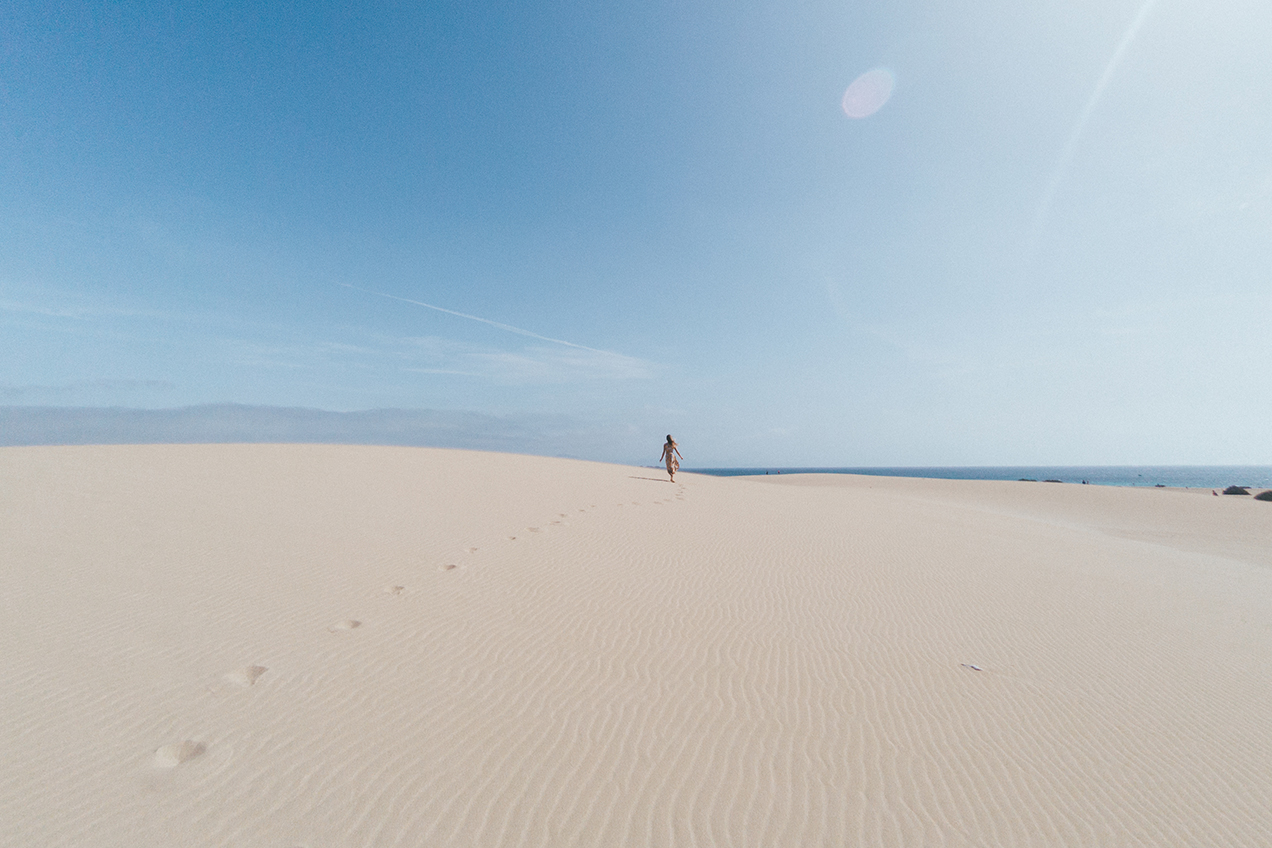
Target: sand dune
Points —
{"points": [[352, 646]]}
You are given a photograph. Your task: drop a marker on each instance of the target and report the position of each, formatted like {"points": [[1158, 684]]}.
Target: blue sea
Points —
{"points": [[1203, 476]]}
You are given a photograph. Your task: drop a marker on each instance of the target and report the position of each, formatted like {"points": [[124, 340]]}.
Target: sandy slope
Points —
{"points": [[617, 660]]}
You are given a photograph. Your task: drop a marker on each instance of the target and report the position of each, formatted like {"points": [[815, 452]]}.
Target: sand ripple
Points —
{"points": [[709, 663]]}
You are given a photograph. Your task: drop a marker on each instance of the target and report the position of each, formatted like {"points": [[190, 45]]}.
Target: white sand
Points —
{"points": [[343, 646]]}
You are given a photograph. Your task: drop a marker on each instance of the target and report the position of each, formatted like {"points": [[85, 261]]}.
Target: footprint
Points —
{"points": [[512, 538], [561, 515], [347, 624], [171, 756], [450, 565], [533, 529], [471, 550], [394, 590], [245, 676]]}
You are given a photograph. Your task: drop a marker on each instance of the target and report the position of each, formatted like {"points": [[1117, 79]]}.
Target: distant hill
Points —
{"points": [[234, 423]]}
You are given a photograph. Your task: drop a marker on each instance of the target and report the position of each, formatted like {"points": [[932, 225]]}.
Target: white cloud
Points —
{"points": [[80, 389], [544, 365], [531, 365], [77, 313]]}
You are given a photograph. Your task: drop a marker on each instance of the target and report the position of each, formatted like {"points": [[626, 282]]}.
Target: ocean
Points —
{"points": [[1190, 476]]}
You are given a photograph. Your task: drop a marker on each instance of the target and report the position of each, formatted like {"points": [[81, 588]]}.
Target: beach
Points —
{"points": [[305, 645]]}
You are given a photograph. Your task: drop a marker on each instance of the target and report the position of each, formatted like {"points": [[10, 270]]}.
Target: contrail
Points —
{"points": [[1070, 147], [507, 327]]}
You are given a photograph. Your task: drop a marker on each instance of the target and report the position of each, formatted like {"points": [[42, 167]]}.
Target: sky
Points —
{"points": [[788, 233]]}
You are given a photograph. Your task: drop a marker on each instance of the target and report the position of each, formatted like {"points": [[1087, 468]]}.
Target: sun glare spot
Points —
{"points": [[868, 93]]}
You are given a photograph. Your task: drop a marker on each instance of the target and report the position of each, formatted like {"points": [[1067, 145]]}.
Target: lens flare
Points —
{"points": [[868, 93]]}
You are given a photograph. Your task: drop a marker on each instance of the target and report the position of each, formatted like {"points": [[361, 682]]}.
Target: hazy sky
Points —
{"points": [[1052, 244]]}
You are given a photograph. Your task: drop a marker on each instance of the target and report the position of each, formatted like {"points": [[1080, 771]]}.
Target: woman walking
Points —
{"points": [[670, 453]]}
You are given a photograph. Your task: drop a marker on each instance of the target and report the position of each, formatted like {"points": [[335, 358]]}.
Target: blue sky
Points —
{"points": [[1051, 245]]}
